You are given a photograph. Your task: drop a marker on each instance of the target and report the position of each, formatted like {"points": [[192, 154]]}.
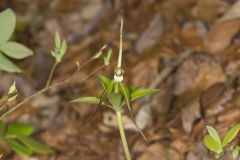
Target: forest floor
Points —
{"points": [[188, 49]]}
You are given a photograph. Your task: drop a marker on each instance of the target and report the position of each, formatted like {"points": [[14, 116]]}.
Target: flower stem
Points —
{"points": [[122, 134]]}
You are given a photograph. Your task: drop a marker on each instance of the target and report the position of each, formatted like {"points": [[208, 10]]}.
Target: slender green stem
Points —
{"points": [[51, 74], [79, 68], [72, 76], [120, 46], [46, 89], [122, 134]]}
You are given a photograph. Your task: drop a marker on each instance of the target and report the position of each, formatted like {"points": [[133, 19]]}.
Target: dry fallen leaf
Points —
{"points": [[197, 70], [190, 114], [155, 151], [223, 30], [151, 35]]}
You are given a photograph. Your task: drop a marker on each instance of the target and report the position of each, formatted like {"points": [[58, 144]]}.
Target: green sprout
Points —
{"points": [[58, 53], [17, 136], [60, 48], [214, 143], [116, 96]]}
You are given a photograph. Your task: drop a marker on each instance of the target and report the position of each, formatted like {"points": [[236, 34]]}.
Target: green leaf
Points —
{"points": [[60, 48], [104, 81], [141, 93], [18, 147], [115, 99], [15, 50], [91, 100], [8, 22], [19, 129], [106, 91], [126, 95], [212, 144], [132, 89], [7, 65], [213, 133], [1, 127], [35, 145], [63, 48], [57, 40], [231, 134], [235, 152]]}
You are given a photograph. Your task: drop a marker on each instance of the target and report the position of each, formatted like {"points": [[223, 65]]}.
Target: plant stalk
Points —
{"points": [[122, 134], [51, 74]]}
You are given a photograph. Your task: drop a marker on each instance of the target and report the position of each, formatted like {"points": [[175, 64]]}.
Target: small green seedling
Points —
{"points": [[9, 48], [58, 53], [214, 143], [17, 136], [116, 96], [60, 48]]}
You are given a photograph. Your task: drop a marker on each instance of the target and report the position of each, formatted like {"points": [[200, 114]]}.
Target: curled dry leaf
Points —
{"points": [[199, 69], [223, 30], [208, 11]]}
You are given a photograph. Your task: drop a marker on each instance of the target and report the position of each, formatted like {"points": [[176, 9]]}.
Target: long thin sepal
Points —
{"points": [[127, 98], [105, 92], [120, 45]]}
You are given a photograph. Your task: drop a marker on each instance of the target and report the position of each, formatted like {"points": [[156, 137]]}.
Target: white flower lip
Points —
{"points": [[118, 78]]}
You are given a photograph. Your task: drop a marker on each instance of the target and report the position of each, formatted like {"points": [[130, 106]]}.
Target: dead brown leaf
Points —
{"points": [[221, 33]]}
